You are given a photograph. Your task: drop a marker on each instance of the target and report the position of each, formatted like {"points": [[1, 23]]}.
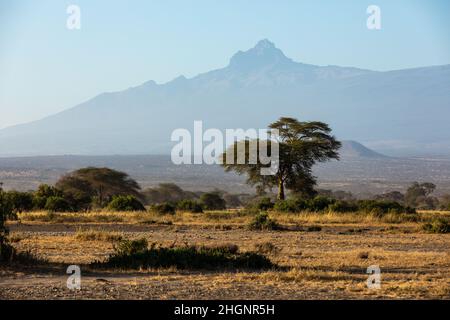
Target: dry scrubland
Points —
{"points": [[320, 255]]}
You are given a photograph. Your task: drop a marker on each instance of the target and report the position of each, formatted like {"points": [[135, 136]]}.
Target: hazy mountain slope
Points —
{"points": [[352, 149], [391, 109]]}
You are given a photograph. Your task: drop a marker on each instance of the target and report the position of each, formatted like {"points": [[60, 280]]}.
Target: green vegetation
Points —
{"points": [[300, 145], [163, 208], [125, 203], [322, 204], [437, 226], [167, 192], [136, 254], [189, 206], [7, 252], [57, 204], [20, 201], [418, 196], [6, 211], [212, 201], [262, 222], [263, 204], [96, 186]]}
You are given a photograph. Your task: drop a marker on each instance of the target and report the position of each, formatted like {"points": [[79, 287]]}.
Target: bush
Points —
{"points": [[6, 211], [383, 207], [316, 204], [212, 201], [290, 205], [20, 201], [265, 204], [189, 206], [343, 206], [437, 226], [136, 254], [125, 203], [319, 203], [57, 204], [130, 247], [285, 206], [42, 194], [163, 208], [39, 202], [262, 222]]}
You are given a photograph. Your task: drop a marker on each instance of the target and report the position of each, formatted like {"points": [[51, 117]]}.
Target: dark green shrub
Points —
{"points": [[284, 206], [6, 211], [290, 205], [163, 208], [189, 206], [262, 222], [57, 204], [437, 226], [343, 206], [264, 204], [383, 207], [39, 202], [125, 203], [212, 201], [20, 201], [42, 194], [319, 203], [136, 255]]}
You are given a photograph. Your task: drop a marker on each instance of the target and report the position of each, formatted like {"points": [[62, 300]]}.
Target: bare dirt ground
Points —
{"points": [[326, 264]]}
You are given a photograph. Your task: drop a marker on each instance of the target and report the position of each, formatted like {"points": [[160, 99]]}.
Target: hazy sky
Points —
{"points": [[46, 68]]}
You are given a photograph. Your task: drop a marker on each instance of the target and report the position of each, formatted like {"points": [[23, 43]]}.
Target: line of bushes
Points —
{"points": [[322, 204], [137, 254], [51, 199]]}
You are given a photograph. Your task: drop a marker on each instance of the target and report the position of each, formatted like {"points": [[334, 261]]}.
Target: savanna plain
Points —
{"points": [[305, 256]]}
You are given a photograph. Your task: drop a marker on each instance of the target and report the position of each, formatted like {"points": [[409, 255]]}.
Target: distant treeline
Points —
{"points": [[103, 188]]}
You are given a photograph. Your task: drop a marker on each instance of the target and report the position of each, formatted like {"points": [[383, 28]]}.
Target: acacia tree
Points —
{"points": [[100, 184], [300, 145]]}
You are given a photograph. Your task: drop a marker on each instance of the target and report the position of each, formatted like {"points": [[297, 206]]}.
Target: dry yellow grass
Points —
{"points": [[229, 216], [331, 263], [97, 235]]}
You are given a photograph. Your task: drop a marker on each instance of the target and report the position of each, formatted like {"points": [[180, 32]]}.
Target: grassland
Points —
{"points": [[322, 255]]}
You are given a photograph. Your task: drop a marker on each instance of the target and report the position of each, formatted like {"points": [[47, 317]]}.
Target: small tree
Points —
{"points": [[101, 184], [212, 201], [418, 194], [57, 204], [76, 191], [43, 193], [20, 201]]}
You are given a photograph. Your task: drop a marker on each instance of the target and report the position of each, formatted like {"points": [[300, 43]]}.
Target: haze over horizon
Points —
{"points": [[47, 68], [257, 86]]}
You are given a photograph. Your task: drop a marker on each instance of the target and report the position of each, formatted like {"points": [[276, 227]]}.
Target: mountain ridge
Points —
{"points": [[261, 85]]}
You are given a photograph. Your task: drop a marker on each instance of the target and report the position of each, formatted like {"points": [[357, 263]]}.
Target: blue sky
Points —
{"points": [[46, 68]]}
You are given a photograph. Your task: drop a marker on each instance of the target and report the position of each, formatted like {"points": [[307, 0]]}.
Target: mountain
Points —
{"points": [[403, 110], [351, 149]]}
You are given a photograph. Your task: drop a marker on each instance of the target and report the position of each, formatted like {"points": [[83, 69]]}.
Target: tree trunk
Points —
{"points": [[280, 189]]}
